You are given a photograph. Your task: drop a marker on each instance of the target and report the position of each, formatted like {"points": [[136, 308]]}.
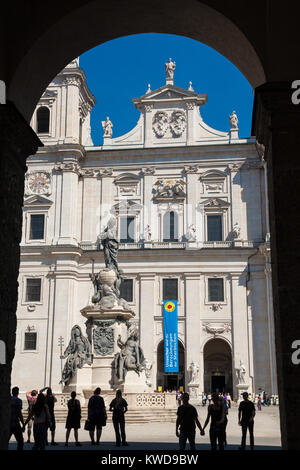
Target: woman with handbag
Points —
{"points": [[73, 419], [119, 407], [96, 416], [41, 421]]}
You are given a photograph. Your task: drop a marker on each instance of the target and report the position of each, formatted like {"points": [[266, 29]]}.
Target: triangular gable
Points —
{"points": [[37, 201], [215, 202]]}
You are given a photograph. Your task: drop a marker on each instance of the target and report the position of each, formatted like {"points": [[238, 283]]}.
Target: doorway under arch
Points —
{"points": [[217, 366], [169, 381]]}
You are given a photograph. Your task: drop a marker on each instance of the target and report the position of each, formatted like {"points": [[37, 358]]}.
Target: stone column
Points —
{"points": [[147, 200], [192, 198], [106, 196], [193, 325], [276, 125], [237, 214], [68, 203], [72, 114], [190, 123], [240, 336], [146, 316], [17, 142], [90, 208], [148, 133]]}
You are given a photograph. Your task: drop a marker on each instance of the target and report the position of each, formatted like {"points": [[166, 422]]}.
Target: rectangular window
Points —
{"points": [[30, 341], [37, 225], [127, 230], [126, 290], [170, 289], [33, 290], [216, 290], [214, 228]]}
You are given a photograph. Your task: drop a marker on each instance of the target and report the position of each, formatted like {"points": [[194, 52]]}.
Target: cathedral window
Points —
{"points": [[214, 228], [216, 290], [30, 341], [43, 120], [33, 290], [127, 229], [170, 227], [126, 290], [170, 289], [37, 226]]}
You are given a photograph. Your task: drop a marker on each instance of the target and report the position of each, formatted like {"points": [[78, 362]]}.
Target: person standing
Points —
{"points": [[209, 399], [50, 402], [246, 420], [16, 417], [119, 407], [96, 415], [259, 403], [216, 415], [73, 419], [187, 419], [41, 420], [229, 400], [31, 399]]}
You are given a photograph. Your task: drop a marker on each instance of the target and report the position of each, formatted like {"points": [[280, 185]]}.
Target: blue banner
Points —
{"points": [[171, 336]]}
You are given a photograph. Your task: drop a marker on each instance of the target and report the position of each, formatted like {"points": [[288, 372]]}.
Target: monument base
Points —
{"points": [[241, 388], [193, 392]]}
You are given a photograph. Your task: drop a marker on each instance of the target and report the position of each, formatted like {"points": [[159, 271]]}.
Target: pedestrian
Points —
{"points": [[187, 419], [31, 399], [246, 420], [16, 417], [209, 399], [225, 404], [216, 415], [73, 419], [96, 415], [259, 403], [203, 399], [119, 407], [41, 421], [50, 402], [229, 400]]}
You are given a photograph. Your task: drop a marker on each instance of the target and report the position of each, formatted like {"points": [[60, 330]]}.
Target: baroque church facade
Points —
{"points": [[192, 215]]}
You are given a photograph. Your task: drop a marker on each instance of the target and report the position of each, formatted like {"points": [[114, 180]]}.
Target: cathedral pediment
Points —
{"points": [[215, 202], [37, 201], [169, 93]]}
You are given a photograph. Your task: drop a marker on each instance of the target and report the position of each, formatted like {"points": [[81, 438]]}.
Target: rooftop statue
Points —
{"points": [[233, 120], [107, 127], [170, 67]]}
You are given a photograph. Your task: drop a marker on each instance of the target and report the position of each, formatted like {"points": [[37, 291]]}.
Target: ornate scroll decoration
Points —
{"points": [[160, 123], [177, 123], [216, 330], [169, 189]]}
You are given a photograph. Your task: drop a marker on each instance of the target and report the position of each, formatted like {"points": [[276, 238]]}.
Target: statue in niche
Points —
{"points": [[148, 233], [107, 127], [233, 119], [241, 372], [191, 233], [78, 353], [170, 68], [130, 357], [236, 230], [194, 370]]}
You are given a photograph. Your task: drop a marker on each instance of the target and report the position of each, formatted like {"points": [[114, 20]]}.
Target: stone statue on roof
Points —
{"points": [[107, 127], [170, 67]]}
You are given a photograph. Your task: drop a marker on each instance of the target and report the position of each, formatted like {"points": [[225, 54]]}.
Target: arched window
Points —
{"points": [[43, 120], [170, 227]]}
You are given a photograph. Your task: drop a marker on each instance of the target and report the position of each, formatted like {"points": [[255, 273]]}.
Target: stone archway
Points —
{"points": [[166, 380], [217, 366]]}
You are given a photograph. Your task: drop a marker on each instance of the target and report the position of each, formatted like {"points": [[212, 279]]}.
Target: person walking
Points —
{"points": [[41, 420], [187, 419], [31, 399], [50, 402], [229, 400], [216, 415], [259, 403], [246, 420], [16, 417], [96, 415], [73, 419], [209, 399], [119, 407]]}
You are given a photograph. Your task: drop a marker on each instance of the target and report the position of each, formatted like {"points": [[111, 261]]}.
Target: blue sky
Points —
{"points": [[120, 70]]}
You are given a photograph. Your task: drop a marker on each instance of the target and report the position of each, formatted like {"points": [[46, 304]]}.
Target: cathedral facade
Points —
{"points": [[192, 218]]}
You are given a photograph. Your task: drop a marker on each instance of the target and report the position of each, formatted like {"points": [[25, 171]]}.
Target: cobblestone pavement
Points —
{"points": [[161, 436]]}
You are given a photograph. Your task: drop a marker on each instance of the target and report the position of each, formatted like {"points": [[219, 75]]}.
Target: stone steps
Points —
{"points": [[132, 416]]}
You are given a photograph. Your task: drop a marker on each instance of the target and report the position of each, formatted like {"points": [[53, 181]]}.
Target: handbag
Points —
{"points": [[87, 425]]}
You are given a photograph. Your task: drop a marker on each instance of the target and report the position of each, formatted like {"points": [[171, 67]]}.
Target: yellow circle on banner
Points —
{"points": [[170, 306]]}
